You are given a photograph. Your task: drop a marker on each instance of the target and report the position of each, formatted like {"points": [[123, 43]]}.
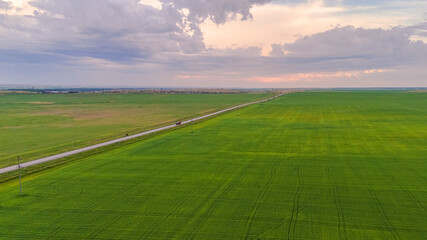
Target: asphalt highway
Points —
{"points": [[80, 150]]}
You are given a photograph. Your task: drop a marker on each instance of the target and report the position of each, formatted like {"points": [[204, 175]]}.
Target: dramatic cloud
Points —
{"points": [[4, 5], [357, 54], [282, 21], [115, 30], [108, 29], [130, 42], [339, 49], [419, 30], [276, 50], [219, 11], [386, 46]]}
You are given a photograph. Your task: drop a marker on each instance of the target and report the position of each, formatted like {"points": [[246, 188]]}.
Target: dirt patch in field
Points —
{"points": [[96, 117], [38, 103], [79, 114], [44, 103], [12, 127], [8, 91], [420, 90]]}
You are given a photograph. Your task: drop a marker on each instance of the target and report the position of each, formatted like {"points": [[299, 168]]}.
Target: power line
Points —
{"points": [[20, 181]]}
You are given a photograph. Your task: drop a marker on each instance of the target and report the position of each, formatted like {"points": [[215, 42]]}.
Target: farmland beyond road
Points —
{"points": [[69, 153]]}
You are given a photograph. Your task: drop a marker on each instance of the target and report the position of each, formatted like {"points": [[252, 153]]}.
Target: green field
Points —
{"points": [[312, 165], [38, 125]]}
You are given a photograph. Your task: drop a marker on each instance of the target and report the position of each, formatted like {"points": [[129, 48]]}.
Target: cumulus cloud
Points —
{"points": [[338, 53], [4, 5], [419, 29], [115, 30], [391, 46], [219, 11], [277, 50], [118, 38]]}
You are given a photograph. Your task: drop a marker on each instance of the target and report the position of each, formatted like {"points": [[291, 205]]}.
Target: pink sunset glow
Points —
{"points": [[233, 43]]}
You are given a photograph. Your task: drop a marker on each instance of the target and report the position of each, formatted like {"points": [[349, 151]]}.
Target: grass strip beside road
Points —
{"points": [[35, 126], [127, 140], [312, 165]]}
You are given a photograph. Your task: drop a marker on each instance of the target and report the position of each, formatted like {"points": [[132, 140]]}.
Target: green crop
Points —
{"points": [[312, 165], [39, 125]]}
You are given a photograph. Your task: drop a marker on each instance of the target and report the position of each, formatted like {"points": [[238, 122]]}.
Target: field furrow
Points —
{"points": [[308, 165]]}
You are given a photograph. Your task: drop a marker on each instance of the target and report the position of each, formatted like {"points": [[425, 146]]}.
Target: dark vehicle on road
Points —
{"points": [[178, 123]]}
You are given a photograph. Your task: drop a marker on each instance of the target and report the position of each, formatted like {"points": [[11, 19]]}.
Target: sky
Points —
{"points": [[219, 44]]}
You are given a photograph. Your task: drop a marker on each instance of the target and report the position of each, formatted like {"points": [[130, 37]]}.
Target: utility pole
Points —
{"points": [[20, 181], [191, 123]]}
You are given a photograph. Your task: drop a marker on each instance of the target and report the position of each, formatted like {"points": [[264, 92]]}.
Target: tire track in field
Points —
{"points": [[295, 206], [416, 173], [397, 156], [337, 197], [34, 217], [181, 201], [122, 213], [203, 220], [92, 205], [99, 200], [89, 207], [338, 205], [117, 217], [287, 218], [397, 182], [255, 208], [415, 199], [389, 226], [410, 194], [385, 219]]}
